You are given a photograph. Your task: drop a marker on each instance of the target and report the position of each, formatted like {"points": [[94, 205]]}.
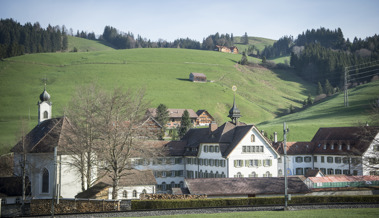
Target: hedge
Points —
{"points": [[227, 202]]}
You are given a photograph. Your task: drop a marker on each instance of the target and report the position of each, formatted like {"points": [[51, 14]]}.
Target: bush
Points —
{"points": [[227, 202]]}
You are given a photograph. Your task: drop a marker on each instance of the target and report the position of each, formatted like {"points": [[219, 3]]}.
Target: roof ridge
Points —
{"points": [[47, 133]]}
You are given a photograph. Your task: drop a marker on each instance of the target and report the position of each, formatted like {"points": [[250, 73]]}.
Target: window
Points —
{"points": [[307, 159], [172, 184], [216, 148], [206, 162], [252, 138], [244, 149], [299, 159], [348, 147], [346, 172], [338, 171], [340, 147], [223, 175], [238, 175], [279, 160], [324, 146], [330, 171], [299, 171], [329, 159], [332, 146], [211, 162], [354, 160], [322, 159], [205, 148], [216, 163], [134, 193], [178, 161], [45, 180], [323, 170], [181, 184], [355, 172], [45, 115], [211, 148], [280, 172], [306, 170], [337, 160], [238, 163], [345, 160], [315, 159], [260, 148], [201, 162], [164, 187], [267, 174], [144, 192], [267, 163], [125, 194]]}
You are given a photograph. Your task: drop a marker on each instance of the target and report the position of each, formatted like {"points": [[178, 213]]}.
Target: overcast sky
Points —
{"points": [[196, 19]]}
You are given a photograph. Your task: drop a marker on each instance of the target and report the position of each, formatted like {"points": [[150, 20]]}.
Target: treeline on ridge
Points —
{"points": [[17, 39]]}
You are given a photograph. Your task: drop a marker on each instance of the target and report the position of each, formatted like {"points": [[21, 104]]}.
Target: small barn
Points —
{"points": [[197, 77], [341, 181], [204, 118]]}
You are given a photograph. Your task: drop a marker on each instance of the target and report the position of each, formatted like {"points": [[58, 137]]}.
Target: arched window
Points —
{"points": [[144, 192], [45, 115], [45, 180], [252, 138], [253, 174], [217, 175], [223, 175], [172, 184], [164, 187], [280, 173], [125, 194], [134, 193], [181, 184]]}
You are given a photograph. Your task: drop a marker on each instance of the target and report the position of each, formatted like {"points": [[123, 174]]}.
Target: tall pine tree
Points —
{"points": [[185, 124]]}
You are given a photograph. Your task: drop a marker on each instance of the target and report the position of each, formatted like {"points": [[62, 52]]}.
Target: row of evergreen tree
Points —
{"points": [[17, 39]]}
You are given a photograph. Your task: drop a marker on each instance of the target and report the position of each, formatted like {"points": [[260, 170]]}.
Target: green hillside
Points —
{"points": [[84, 45], [329, 113], [262, 94], [259, 42]]}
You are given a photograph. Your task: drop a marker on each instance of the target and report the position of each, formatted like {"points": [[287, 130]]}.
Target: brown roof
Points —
{"points": [[133, 177], [92, 191], [44, 137], [343, 178], [312, 173], [199, 74], [358, 138], [245, 186], [174, 113]]}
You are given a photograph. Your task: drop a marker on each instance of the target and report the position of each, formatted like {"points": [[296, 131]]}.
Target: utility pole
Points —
{"points": [[346, 98], [285, 166]]}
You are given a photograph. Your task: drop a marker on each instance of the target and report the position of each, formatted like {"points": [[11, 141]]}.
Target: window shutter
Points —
{"points": [[270, 163], [247, 163], [235, 163], [259, 163]]}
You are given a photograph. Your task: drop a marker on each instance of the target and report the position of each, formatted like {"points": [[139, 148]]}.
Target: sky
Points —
{"points": [[197, 19]]}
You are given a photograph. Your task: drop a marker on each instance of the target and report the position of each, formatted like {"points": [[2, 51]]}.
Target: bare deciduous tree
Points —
{"points": [[83, 134]]}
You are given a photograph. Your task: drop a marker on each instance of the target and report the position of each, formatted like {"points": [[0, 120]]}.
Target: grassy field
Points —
{"points": [[262, 94], [361, 212], [259, 43], [84, 45], [328, 113]]}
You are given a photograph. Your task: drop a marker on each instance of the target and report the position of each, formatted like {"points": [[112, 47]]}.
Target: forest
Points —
{"points": [[17, 39]]}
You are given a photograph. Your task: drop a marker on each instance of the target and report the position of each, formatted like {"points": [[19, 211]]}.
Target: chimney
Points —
{"points": [[275, 137], [212, 126]]}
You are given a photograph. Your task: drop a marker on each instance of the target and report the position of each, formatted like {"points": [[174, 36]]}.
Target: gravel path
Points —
{"points": [[217, 210]]}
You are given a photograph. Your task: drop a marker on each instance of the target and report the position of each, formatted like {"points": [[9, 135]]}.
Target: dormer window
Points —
{"points": [[340, 147], [252, 138], [324, 146], [348, 147], [332, 146]]}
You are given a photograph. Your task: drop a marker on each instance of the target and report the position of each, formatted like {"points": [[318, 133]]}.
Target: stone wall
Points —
{"points": [[43, 207], [170, 196]]}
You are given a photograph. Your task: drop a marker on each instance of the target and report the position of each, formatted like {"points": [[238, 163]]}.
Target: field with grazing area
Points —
{"points": [[84, 45], [361, 212], [262, 94], [259, 43]]}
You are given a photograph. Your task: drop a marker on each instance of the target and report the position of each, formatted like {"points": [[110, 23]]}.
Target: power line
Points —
{"points": [[363, 72], [362, 68], [362, 64]]}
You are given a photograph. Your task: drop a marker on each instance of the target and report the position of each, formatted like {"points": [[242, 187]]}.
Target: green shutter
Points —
{"points": [[259, 163], [270, 162], [235, 163]]}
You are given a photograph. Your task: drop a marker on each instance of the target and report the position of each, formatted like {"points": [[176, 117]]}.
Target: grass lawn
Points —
{"points": [[361, 212]]}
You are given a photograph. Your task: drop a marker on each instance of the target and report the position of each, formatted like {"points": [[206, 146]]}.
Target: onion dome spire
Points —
{"points": [[234, 112], [44, 95]]}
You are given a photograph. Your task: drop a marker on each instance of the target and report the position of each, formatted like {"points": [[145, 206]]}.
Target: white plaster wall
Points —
{"points": [[44, 106], [70, 183], [371, 153], [268, 153], [150, 189]]}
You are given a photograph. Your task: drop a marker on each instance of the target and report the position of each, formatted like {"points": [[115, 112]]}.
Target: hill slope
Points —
{"points": [[329, 113], [85, 45], [262, 94]]}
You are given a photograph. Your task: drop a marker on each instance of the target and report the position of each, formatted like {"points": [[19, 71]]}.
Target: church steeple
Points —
{"points": [[44, 106], [234, 113]]}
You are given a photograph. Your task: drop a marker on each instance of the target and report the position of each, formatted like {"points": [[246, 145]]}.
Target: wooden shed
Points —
{"points": [[197, 77]]}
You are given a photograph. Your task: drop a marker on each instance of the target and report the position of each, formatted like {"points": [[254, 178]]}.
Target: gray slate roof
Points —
{"points": [[245, 186]]}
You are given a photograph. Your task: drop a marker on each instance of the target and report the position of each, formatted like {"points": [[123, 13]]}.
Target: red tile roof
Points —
{"points": [[343, 178]]}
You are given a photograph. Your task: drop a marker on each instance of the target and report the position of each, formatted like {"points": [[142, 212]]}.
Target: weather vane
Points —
{"points": [[234, 88]]}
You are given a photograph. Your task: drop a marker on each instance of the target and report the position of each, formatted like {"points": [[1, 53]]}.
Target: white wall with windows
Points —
{"points": [[132, 192], [253, 157]]}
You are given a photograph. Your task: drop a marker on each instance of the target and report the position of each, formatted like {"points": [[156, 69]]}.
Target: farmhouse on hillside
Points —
{"points": [[204, 118], [197, 77], [225, 49], [175, 116]]}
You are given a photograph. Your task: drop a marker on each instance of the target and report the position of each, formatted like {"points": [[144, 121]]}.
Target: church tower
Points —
{"points": [[234, 113], [44, 106]]}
